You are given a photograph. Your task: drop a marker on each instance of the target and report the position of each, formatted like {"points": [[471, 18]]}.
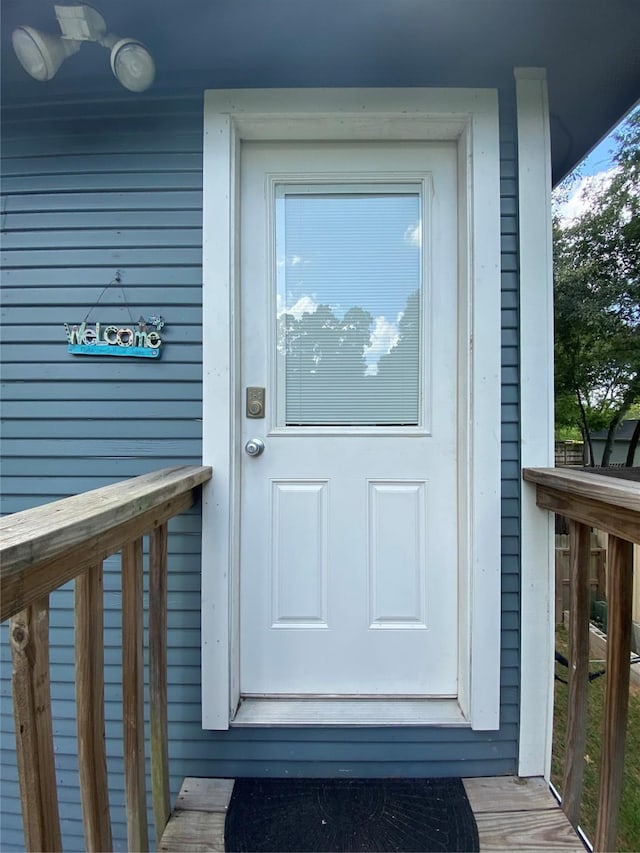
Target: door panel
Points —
{"points": [[298, 559], [397, 563], [349, 556]]}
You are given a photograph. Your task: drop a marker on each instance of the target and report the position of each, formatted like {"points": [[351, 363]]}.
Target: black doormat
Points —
{"points": [[340, 815]]}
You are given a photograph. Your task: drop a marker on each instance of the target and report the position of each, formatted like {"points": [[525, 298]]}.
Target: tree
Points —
{"points": [[328, 379], [324, 362], [597, 300]]}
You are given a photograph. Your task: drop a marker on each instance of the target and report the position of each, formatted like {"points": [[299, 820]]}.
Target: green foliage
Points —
{"points": [[321, 346], [597, 299], [568, 433]]}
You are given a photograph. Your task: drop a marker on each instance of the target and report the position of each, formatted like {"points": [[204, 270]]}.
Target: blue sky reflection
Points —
{"points": [[350, 249]]}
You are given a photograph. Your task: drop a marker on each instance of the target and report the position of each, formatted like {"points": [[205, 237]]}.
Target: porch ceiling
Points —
{"points": [[590, 50]]}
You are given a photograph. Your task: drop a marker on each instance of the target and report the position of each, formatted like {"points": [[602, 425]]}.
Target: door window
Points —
{"points": [[349, 300]]}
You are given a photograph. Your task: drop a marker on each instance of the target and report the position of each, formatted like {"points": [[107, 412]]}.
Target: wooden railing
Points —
{"points": [[613, 506], [40, 550]]}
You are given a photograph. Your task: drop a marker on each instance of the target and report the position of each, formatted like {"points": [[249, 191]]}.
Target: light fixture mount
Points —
{"points": [[80, 23], [41, 54]]}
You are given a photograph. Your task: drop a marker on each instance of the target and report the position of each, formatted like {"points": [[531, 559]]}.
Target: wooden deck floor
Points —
{"points": [[512, 815]]}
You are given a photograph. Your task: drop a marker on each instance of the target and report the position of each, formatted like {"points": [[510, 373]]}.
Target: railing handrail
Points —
{"points": [[603, 502], [613, 506], [598, 487], [36, 544], [43, 548]]}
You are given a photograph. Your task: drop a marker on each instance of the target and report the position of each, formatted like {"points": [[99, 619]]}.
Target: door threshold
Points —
{"points": [[348, 712]]}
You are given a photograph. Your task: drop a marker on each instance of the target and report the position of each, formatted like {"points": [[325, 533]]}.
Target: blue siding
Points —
{"points": [[96, 188]]}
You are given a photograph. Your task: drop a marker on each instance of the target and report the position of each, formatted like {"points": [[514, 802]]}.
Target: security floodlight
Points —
{"points": [[41, 54], [132, 65]]}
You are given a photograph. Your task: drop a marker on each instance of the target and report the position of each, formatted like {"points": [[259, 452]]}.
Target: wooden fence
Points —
{"points": [[597, 573]]}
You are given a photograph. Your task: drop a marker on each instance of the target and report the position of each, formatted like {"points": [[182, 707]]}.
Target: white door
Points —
{"points": [[349, 517]]}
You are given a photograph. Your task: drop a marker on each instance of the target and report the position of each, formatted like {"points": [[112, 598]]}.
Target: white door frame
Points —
{"points": [[470, 117]]}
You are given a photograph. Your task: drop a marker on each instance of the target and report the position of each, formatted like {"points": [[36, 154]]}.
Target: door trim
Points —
{"points": [[469, 117]]}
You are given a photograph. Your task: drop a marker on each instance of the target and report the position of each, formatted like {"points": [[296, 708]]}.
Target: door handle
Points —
{"points": [[254, 447]]}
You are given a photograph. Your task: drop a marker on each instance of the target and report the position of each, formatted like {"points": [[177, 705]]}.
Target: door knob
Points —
{"points": [[254, 447]]}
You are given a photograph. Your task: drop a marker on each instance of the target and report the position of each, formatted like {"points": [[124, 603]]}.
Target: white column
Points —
{"points": [[537, 419]]}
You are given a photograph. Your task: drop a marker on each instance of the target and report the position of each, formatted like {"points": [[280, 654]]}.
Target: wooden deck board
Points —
{"points": [[204, 795], [508, 794], [519, 814], [527, 831], [197, 822], [511, 814], [194, 832]]}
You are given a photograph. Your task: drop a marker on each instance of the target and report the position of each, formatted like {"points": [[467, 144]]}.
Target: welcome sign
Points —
{"points": [[96, 339]]}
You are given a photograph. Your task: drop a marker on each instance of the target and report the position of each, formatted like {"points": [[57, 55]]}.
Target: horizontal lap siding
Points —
{"points": [[119, 188], [510, 420], [88, 192]]}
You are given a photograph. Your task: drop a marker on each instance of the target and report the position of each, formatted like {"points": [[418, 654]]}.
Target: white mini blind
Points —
{"points": [[349, 304]]}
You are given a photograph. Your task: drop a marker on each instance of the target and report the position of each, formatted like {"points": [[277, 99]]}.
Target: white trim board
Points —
{"points": [[469, 116], [536, 412]]}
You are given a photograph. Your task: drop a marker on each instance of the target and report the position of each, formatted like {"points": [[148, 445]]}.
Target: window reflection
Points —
{"points": [[349, 307]]}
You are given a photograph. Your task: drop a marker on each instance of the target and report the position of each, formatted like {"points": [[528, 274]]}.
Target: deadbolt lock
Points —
{"points": [[255, 402]]}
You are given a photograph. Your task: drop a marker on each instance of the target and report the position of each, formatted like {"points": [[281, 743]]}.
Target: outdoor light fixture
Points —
{"points": [[41, 54], [132, 64]]}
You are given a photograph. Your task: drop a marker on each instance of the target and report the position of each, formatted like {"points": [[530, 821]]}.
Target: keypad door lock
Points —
{"points": [[255, 402]]}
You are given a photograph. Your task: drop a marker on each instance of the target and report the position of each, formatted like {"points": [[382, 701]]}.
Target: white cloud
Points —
{"points": [[304, 305], [578, 201], [292, 261], [383, 338], [413, 234]]}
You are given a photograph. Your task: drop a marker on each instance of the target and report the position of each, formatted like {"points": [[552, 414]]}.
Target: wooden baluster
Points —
{"points": [[34, 729], [580, 558], [620, 592], [559, 561], [133, 696], [601, 574], [158, 678], [92, 759]]}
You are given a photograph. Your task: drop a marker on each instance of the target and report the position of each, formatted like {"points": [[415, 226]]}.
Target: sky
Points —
{"points": [[600, 158], [351, 249], [595, 171]]}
